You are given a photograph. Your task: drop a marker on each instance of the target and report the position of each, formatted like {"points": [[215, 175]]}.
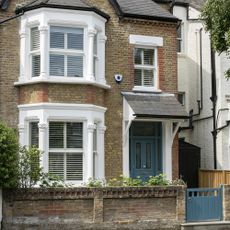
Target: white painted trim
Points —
{"points": [[145, 40], [46, 112], [44, 18], [146, 89]]}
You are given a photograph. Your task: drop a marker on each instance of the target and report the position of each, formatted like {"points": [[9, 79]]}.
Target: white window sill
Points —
{"points": [[181, 55], [63, 80], [146, 89]]}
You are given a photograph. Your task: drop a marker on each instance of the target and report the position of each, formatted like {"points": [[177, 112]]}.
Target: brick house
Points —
{"points": [[92, 84]]}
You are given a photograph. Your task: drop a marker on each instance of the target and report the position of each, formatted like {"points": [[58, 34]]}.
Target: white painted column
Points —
{"points": [[89, 154], [167, 152], [43, 145], [90, 74], [23, 54], [101, 152], [101, 57], [43, 50], [22, 136]]}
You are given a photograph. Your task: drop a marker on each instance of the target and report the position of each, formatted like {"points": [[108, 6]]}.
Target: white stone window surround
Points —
{"points": [[148, 42], [43, 18], [88, 114]]}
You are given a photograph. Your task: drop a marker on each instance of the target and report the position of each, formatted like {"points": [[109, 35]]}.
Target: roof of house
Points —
{"points": [[143, 9], [197, 4], [161, 105], [67, 4]]}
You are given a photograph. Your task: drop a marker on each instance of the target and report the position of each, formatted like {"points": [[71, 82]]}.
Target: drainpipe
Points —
{"points": [[201, 70], [213, 98]]}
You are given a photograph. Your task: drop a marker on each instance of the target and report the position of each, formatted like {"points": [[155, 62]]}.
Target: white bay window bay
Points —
{"points": [[67, 49]]}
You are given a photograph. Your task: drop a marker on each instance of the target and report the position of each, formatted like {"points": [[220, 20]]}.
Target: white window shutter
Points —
{"points": [[56, 164], [35, 65], [74, 166], [34, 134], [35, 38], [74, 66]]}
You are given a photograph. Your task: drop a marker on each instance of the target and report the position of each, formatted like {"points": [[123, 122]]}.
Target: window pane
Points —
{"points": [[138, 56], [57, 65], [74, 66], [137, 77], [148, 156], [35, 38], [75, 40], [56, 135], [148, 57], [74, 135], [138, 155], [56, 164], [35, 65], [148, 77], [34, 140], [74, 166], [57, 40]]}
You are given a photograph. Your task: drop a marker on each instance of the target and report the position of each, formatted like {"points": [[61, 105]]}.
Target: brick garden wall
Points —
{"points": [[96, 208]]}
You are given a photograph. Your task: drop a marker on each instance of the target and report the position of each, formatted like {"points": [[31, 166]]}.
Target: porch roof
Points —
{"points": [[156, 105]]}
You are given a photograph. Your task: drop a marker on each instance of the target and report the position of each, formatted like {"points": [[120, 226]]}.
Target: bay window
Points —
{"points": [[62, 49]]}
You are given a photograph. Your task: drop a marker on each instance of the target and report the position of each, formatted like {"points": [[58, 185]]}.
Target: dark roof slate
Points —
{"points": [[67, 4], [144, 9], [160, 105]]}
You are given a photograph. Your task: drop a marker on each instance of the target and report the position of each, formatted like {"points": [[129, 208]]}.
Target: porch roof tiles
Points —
{"points": [[157, 105]]}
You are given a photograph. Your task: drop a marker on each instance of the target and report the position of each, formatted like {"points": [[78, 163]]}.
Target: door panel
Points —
{"points": [[144, 158]]}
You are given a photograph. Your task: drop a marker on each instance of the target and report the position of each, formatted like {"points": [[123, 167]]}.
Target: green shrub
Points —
{"points": [[29, 166], [124, 181], [159, 179], [8, 157], [95, 183]]}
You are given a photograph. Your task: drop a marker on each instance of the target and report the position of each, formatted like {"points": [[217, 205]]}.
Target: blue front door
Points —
{"points": [[145, 154]]}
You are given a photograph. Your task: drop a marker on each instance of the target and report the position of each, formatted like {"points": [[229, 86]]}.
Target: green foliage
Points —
{"points": [[29, 166], [8, 157], [124, 181], [48, 180], [95, 183], [157, 180], [216, 17]]}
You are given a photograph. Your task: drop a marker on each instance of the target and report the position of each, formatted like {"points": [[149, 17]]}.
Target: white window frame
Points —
{"points": [[32, 53], [65, 52], [66, 150], [62, 112], [43, 18], [147, 67], [180, 39]]}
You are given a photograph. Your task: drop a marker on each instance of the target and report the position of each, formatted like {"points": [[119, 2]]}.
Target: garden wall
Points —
{"points": [[94, 208]]}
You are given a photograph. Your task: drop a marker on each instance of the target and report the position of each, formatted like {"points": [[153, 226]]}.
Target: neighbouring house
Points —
{"points": [[94, 85], [195, 87]]}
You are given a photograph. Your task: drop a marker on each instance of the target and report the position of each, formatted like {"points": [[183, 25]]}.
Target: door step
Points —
{"points": [[218, 225]]}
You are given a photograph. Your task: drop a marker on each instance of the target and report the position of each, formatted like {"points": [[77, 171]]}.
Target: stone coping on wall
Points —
{"points": [[90, 193]]}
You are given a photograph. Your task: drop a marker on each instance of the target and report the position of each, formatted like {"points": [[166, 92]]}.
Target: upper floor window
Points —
{"points": [[35, 51], [66, 51], [180, 48], [62, 49], [145, 68]]}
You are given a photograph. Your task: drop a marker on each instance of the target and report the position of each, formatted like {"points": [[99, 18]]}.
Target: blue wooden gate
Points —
{"points": [[203, 204]]}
